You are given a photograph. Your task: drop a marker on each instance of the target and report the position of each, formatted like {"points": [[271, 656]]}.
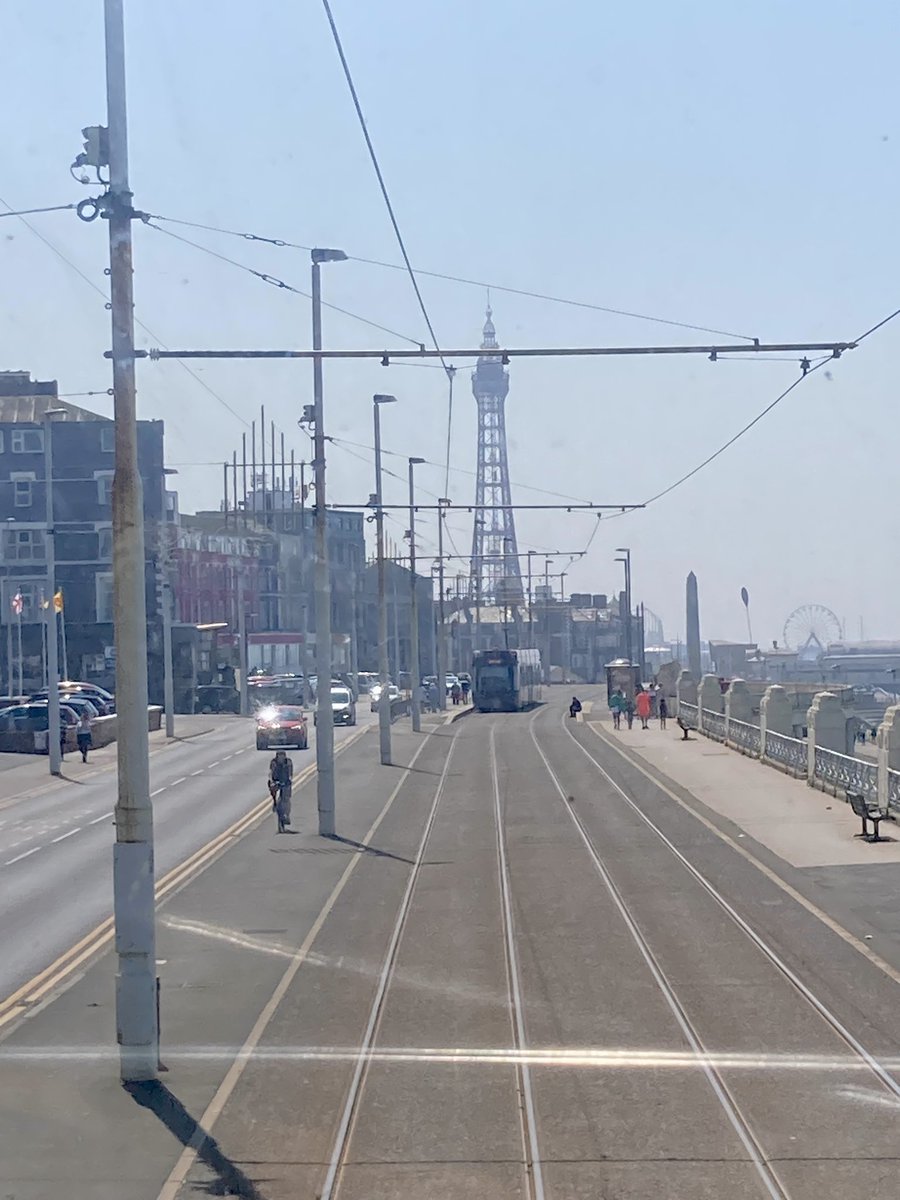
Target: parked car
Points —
{"points": [[217, 698], [281, 725], [77, 700], [89, 689], [31, 718], [375, 695], [452, 681], [343, 706]]}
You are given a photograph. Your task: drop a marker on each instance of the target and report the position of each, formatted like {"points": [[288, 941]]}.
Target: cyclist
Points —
{"points": [[281, 782]]}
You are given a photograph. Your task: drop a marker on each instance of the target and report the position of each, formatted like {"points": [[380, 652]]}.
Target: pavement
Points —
{"points": [[529, 966]]}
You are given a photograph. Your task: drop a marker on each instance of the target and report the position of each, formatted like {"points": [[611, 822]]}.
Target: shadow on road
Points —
{"points": [[345, 841], [230, 1179]]}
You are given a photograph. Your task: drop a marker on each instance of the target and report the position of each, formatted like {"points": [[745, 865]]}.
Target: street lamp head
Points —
{"points": [[378, 398], [415, 462], [322, 256], [622, 550], [443, 500]]}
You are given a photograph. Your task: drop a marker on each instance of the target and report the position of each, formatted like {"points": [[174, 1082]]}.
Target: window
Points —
{"points": [[104, 486], [108, 438], [22, 481], [23, 545], [27, 441], [104, 585], [105, 543]]}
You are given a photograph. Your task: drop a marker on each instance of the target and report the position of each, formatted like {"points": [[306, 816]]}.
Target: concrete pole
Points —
{"points": [[133, 869], [168, 680], [324, 712], [242, 648], [384, 705], [547, 562], [53, 716], [354, 636], [415, 674], [166, 597], [442, 629]]}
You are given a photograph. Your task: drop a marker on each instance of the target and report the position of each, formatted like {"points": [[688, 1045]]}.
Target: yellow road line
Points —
{"points": [[51, 977], [773, 876]]}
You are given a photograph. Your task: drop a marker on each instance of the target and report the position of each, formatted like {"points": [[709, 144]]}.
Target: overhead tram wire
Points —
{"points": [[28, 212], [274, 281], [100, 292], [481, 284], [811, 370]]}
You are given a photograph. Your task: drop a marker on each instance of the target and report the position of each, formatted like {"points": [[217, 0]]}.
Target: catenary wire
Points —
{"points": [[28, 212], [274, 281], [479, 283]]}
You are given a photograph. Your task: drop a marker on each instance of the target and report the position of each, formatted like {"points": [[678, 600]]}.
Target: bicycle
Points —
{"points": [[281, 804]]}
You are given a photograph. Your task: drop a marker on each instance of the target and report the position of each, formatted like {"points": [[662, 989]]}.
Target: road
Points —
{"points": [[523, 970], [56, 844]]}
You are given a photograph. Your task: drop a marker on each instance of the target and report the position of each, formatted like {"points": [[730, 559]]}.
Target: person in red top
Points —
{"points": [[642, 704]]}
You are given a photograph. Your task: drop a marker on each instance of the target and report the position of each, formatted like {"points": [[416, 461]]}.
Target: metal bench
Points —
{"points": [[866, 812]]}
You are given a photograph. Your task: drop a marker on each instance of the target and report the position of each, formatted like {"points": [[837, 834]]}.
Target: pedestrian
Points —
{"points": [[433, 696], [574, 707], [616, 705], [83, 735], [456, 693], [643, 707], [629, 712], [63, 733], [466, 688], [663, 708]]}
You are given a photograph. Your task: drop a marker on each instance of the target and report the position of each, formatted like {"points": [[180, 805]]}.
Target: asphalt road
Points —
{"points": [[56, 845], [521, 971]]}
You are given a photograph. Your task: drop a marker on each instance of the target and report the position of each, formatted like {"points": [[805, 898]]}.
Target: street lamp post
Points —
{"points": [[415, 673], [531, 554], [324, 713], [547, 562], [384, 701], [443, 502], [626, 561], [53, 726]]}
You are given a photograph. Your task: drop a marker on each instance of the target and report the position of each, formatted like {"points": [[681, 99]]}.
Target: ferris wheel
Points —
{"points": [[810, 628]]}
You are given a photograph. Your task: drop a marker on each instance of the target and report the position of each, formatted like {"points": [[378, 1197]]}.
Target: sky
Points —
{"points": [[679, 161]]}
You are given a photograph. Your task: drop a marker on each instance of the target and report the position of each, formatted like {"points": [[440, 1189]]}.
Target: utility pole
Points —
{"points": [[53, 726], [547, 562], [626, 561], [133, 870], [414, 671], [531, 554], [324, 711], [242, 647], [443, 502], [166, 597], [384, 701]]}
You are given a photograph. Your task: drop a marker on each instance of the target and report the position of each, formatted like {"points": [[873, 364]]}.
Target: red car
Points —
{"points": [[281, 725]]}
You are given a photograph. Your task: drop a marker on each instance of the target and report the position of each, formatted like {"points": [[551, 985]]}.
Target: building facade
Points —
{"points": [[82, 451]]}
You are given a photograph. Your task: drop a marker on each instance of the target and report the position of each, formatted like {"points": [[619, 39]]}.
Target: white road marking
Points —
{"points": [[19, 857], [180, 779], [62, 837], [200, 772], [214, 764], [97, 820], [158, 790]]}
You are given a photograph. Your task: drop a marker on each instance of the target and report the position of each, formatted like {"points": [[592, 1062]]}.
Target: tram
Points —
{"points": [[506, 680]]}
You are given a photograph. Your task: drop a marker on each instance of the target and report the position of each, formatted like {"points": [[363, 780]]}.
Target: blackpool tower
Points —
{"points": [[495, 574]]}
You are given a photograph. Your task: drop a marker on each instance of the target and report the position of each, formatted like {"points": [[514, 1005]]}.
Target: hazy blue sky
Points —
{"points": [[706, 162]]}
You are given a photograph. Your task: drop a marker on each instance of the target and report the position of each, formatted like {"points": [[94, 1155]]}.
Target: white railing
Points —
{"points": [[788, 752], [714, 724], [744, 736], [843, 772], [688, 713], [893, 789]]}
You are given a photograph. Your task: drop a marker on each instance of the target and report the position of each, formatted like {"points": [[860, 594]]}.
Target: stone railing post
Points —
{"points": [[776, 713], [826, 726], [738, 705], [685, 689], [888, 752], [709, 697]]}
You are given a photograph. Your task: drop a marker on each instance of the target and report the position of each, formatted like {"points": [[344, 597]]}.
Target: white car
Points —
{"points": [[375, 695]]}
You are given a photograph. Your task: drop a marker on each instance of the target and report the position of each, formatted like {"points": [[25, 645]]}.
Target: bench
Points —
{"points": [[684, 727], [866, 812]]}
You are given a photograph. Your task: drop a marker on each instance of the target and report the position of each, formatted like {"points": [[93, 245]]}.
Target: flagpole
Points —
{"points": [[62, 626], [19, 623]]}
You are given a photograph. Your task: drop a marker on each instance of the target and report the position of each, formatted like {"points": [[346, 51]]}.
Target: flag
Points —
{"points": [[18, 604], [58, 601]]}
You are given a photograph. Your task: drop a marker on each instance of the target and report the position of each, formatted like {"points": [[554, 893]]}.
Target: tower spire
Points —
{"points": [[495, 559]]}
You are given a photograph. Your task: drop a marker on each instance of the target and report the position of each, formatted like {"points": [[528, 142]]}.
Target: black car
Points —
{"points": [[217, 698]]}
